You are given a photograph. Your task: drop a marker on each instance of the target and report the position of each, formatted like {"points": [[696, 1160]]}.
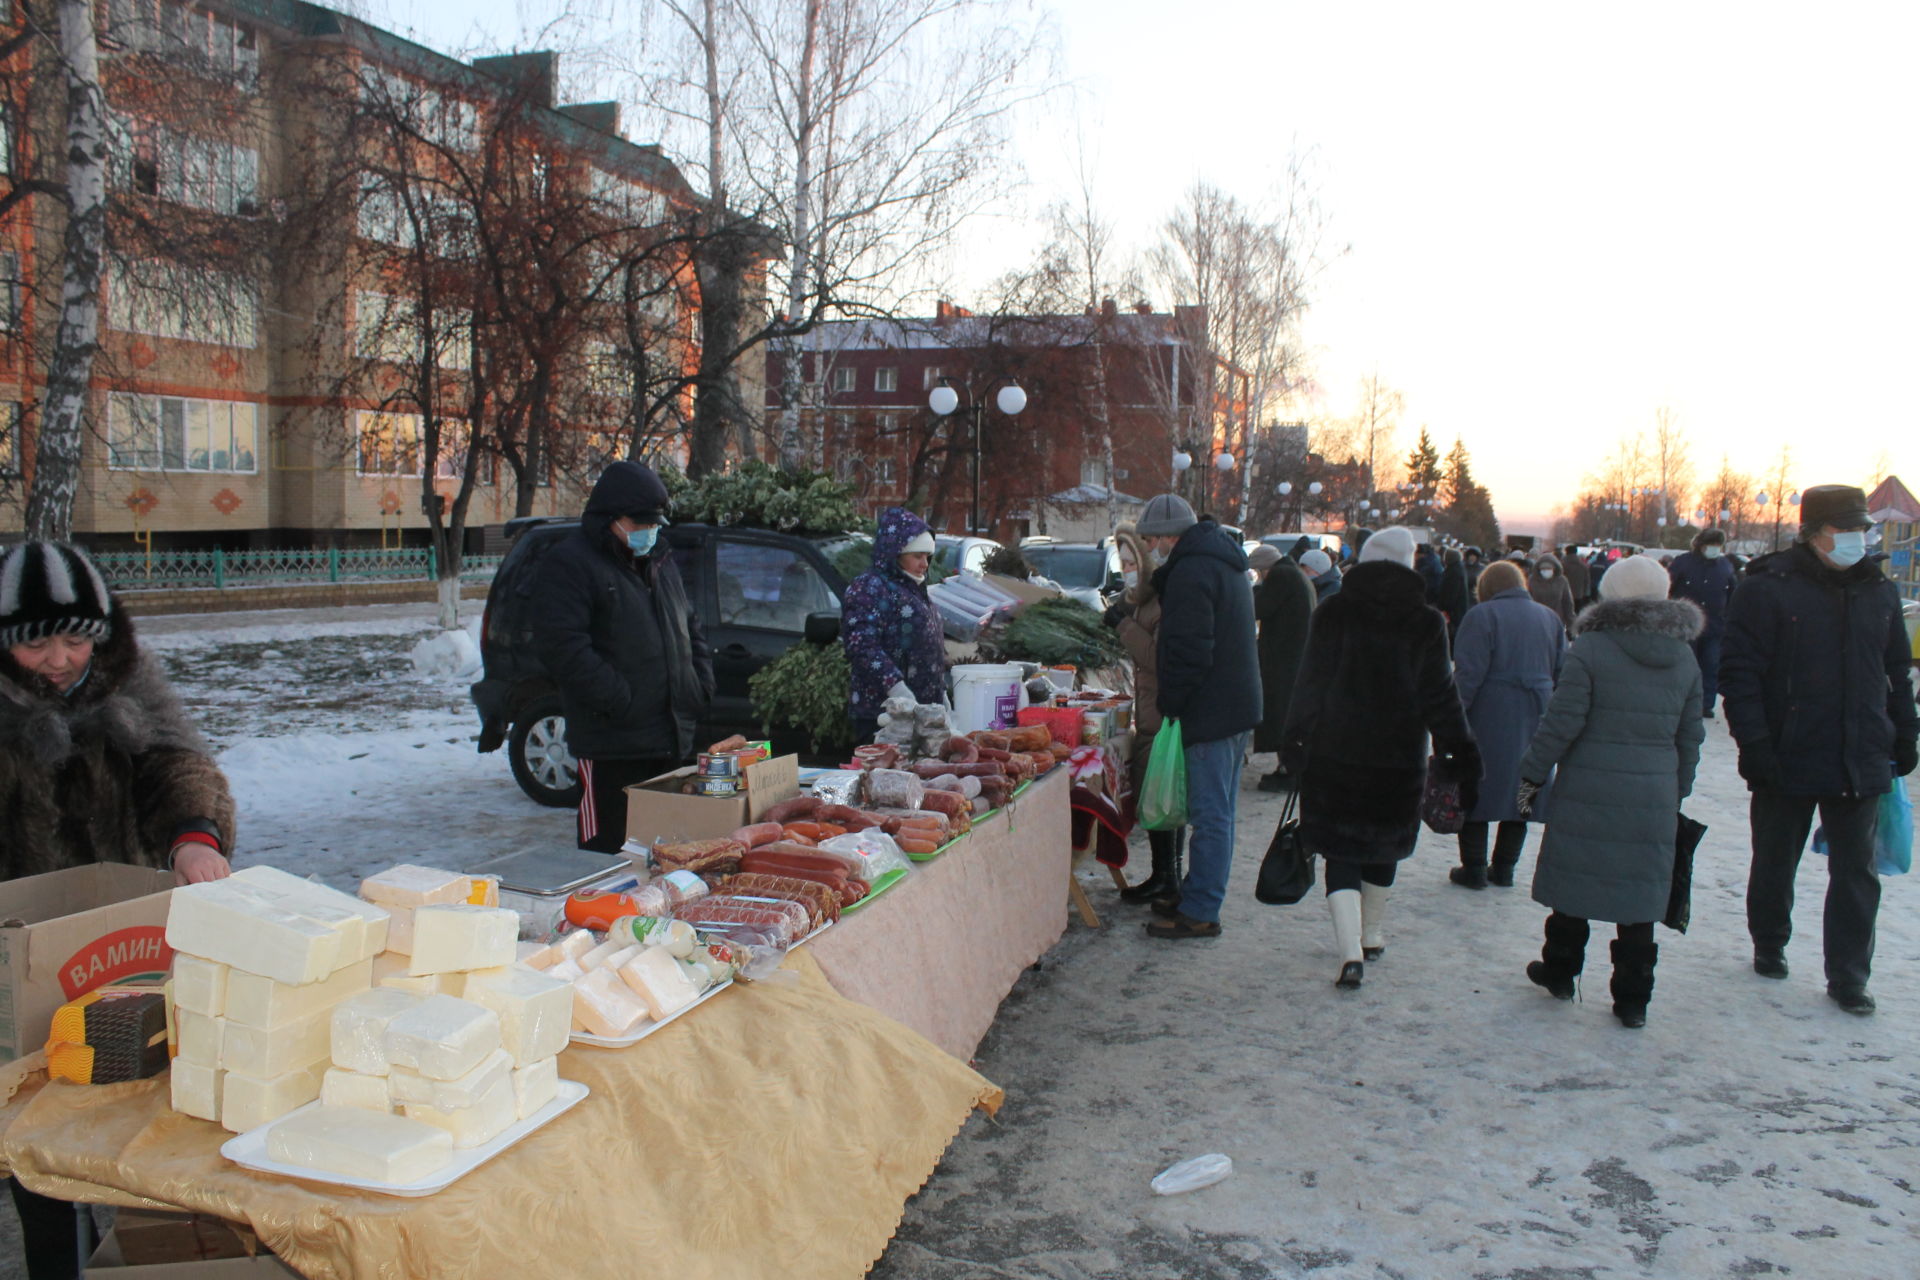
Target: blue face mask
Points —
{"points": [[640, 541], [1849, 547]]}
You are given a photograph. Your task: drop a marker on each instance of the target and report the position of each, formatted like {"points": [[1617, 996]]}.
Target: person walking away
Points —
{"points": [[1324, 574], [1454, 599], [1135, 618], [1814, 673], [614, 628], [1506, 660], [1375, 682], [1426, 563], [1623, 729], [1704, 576], [1209, 681], [1549, 587], [1282, 606], [1579, 579], [896, 644], [1471, 558], [98, 763]]}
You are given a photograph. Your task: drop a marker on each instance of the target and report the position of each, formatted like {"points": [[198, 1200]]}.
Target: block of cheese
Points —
{"points": [[360, 1144], [362, 925], [656, 978], [566, 971], [224, 921], [576, 944], [195, 1089], [342, 1088], [199, 1037], [524, 953], [199, 986], [535, 1010], [409, 886], [450, 1095], [274, 1051], [400, 930], [247, 1102], [472, 1126], [535, 1085], [452, 939], [597, 957], [442, 1037], [428, 984], [256, 1001], [604, 1005], [357, 1031]]}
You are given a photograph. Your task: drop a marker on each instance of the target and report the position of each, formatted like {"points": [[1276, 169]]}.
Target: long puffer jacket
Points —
{"points": [[891, 631], [111, 772], [1623, 727], [618, 634]]}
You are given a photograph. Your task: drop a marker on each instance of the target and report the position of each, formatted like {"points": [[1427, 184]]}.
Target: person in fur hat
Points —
{"points": [[1374, 683], [98, 763], [1623, 729]]}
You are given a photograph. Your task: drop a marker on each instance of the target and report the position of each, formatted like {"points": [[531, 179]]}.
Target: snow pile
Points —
{"points": [[447, 654]]}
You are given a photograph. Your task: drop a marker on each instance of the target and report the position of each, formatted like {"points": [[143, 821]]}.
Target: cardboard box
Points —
{"points": [[656, 810], [1025, 592], [182, 1246], [67, 932]]}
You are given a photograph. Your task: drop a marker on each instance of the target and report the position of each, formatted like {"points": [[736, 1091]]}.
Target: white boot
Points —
{"points": [[1373, 913], [1344, 906]]}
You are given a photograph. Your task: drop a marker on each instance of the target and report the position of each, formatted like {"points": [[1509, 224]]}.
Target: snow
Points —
{"points": [[448, 653], [1448, 1120]]}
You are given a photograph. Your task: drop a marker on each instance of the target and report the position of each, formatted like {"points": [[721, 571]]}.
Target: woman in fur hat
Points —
{"points": [[97, 764], [1623, 728]]}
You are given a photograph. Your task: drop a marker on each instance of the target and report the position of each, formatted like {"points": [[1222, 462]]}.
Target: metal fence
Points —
{"points": [[177, 570]]}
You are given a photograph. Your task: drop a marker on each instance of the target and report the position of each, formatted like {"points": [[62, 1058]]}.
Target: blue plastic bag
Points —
{"points": [[1892, 835]]}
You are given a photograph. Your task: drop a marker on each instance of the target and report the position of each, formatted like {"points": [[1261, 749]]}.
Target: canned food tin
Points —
{"points": [[724, 764], [718, 788]]}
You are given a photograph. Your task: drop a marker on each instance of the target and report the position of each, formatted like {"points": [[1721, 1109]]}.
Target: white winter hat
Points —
{"points": [[1395, 544], [1316, 562], [1635, 578], [923, 542]]}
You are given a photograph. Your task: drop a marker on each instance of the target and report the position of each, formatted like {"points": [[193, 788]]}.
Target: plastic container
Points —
{"points": [[1191, 1175], [987, 696]]}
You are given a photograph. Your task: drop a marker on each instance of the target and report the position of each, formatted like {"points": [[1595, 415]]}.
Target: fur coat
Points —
{"points": [[112, 773]]}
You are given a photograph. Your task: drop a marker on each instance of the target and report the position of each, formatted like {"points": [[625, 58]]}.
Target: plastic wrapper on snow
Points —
{"points": [[446, 653], [1191, 1175]]}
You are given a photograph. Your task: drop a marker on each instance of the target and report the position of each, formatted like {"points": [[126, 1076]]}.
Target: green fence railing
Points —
{"points": [[178, 570]]}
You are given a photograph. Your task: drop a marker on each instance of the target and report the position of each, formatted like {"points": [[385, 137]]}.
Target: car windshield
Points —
{"points": [[1069, 566]]}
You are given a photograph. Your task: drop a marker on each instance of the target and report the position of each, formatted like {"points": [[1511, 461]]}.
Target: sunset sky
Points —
{"points": [[1557, 218]]}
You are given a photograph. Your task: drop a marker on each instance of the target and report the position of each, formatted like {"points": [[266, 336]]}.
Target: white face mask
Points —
{"points": [[1849, 547], [1546, 573], [1712, 553], [1131, 578]]}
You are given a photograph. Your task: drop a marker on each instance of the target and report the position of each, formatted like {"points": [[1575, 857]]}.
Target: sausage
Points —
{"points": [[985, 769], [814, 832], [921, 847], [951, 803], [824, 900], [758, 834], [993, 738], [1030, 737], [806, 856], [792, 810], [995, 753], [846, 817], [963, 750], [725, 745]]}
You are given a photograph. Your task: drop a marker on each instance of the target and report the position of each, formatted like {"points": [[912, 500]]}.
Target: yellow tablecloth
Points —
{"points": [[940, 950], [776, 1133]]}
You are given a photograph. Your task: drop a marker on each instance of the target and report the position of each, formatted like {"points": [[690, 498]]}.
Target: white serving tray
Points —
{"points": [[249, 1151], [648, 1027]]}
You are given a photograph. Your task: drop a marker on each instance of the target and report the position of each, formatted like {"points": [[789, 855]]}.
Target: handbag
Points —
{"points": [[1163, 792], [1286, 873], [1441, 806], [1686, 839]]}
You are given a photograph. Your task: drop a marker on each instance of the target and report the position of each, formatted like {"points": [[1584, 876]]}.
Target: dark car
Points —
{"points": [[1086, 571], [757, 594]]}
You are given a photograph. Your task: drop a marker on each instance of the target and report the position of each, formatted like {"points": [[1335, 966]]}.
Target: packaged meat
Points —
{"points": [[910, 846], [758, 833], [994, 738], [996, 791], [1029, 737], [951, 803], [963, 750], [877, 755], [876, 849], [797, 912], [825, 901], [838, 787], [698, 855], [846, 817], [894, 788], [782, 922], [815, 856], [788, 810]]}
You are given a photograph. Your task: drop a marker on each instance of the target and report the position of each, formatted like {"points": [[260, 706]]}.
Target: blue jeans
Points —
{"points": [[1213, 794]]}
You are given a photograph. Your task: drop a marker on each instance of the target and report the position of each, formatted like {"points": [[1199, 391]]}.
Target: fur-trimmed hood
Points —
{"points": [[1655, 633]]}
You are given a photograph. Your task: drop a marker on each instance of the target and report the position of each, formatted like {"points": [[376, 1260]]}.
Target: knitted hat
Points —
{"points": [[1635, 578], [1395, 544], [51, 589], [1167, 516], [1316, 562], [921, 543], [1264, 556]]}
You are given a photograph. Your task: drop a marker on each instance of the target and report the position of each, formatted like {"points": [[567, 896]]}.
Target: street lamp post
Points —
{"points": [[945, 402]]}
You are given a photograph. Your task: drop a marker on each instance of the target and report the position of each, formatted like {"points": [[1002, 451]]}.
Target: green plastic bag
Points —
{"points": [[1163, 796]]}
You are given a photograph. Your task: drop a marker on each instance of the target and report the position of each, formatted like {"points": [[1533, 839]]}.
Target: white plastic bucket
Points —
{"points": [[986, 696]]}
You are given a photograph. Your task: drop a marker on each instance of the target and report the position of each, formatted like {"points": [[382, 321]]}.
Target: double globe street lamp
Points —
{"points": [[945, 402]]}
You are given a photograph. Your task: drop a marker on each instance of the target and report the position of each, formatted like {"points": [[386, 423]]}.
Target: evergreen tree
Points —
{"points": [[1423, 469], [1467, 513]]}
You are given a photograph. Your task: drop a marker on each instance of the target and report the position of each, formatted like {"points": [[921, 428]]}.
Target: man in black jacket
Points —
{"points": [[614, 627], [1209, 670], [1814, 674]]}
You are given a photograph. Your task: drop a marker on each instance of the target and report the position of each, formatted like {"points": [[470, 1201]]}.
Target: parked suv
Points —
{"points": [[756, 593], [1086, 571]]}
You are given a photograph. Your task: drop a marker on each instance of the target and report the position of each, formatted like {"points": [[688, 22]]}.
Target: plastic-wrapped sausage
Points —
{"points": [[896, 788], [950, 803], [824, 901], [790, 810], [845, 817], [1030, 737], [963, 750], [758, 834], [993, 753], [993, 738], [934, 768]]}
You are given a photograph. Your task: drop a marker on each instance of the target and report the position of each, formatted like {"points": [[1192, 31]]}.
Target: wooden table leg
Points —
{"points": [[1081, 902], [1119, 877]]}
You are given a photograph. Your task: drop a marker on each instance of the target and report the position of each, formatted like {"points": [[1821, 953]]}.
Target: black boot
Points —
{"points": [[1165, 875], [1633, 980], [1562, 956], [1472, 871], [1507, 843]]}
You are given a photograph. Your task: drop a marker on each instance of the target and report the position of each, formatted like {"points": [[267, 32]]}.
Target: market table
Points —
{"points": [[769, 1135], [940, 950]]}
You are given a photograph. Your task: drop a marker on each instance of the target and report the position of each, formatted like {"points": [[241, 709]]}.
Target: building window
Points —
{"points": [[9, 292], [886, 470], [164, 300], [172, 433], [930, 377], [6, 138], [11, 415], [886, 379], [195, 37], [441, 119], [386, 328], [392, 444], [1093, 471], [629, 201], [843, 379], [202, 173]]}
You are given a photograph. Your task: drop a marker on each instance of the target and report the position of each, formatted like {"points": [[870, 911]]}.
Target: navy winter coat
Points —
{"points": [[617, 633], [1815, 662], [1708, 583], [890, 629], [1209, 665]]}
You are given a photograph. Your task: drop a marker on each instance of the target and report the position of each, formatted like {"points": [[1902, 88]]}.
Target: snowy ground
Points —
{"points": [[1447, 1121]]}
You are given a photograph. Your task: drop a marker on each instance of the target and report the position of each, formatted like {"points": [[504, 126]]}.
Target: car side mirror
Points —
{"points": [[823, 628]]}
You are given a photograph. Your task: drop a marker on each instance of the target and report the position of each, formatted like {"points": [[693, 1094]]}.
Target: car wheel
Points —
{"points": [[537, 751]]}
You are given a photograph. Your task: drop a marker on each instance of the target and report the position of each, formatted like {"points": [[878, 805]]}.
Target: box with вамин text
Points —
{"points": [[658, 809]]}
